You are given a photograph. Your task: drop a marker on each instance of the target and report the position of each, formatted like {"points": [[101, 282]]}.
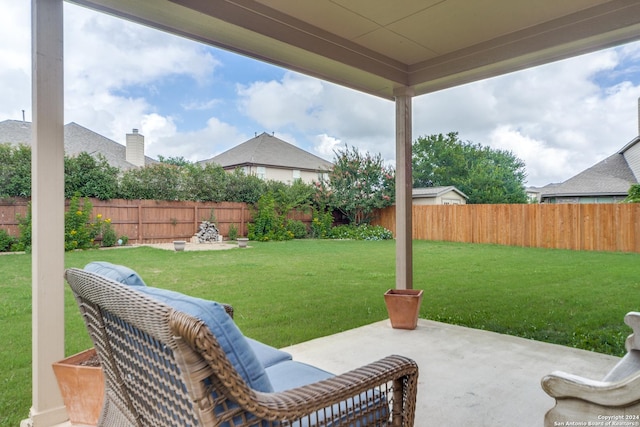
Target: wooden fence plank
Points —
{"points": [[151, 221], [601, 227], [590, 227]]}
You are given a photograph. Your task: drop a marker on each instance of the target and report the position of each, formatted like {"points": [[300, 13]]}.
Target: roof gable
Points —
{"points": [[611, 176], [77, 139], [267, 150], [431, 192], [631, 153]]}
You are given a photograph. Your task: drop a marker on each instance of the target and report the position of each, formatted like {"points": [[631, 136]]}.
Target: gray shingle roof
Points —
{"points": [[267, 150], [612, 176], [430, 192], [76, 140]]}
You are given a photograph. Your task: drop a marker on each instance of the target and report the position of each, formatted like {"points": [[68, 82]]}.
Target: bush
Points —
{"points": [[79, 233], [6, 241], [361, 232], [233, 232], [298, 228], [268, 224], [109, 237], [321, 223], [24, 225]]}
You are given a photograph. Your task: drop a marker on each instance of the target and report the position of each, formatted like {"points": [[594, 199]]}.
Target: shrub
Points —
{"points": [[268, 224], [109, 237], [298, 228], [233, 232], [321, 223], [361, 232], [6, 241], [24, 225], [79, 233]]}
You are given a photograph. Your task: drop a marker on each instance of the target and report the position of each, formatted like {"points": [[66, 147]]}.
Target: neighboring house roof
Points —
{"points": [[77, 139], [431, 192], [610, 177], [267, 150]]}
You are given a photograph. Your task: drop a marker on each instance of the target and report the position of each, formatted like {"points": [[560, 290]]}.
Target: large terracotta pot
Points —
{"points": [[403, 306], [82, 387]]}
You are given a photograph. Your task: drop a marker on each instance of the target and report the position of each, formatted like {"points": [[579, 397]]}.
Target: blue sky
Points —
{"points": [[195, 101]]}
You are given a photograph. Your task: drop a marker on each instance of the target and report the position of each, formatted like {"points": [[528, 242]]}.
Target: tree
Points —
{"points": [[87, 176], [175, 161], [484, 174], [244, 188], [159, 181], [634, 194], [15, 171], [206, 183], [358, 184]]}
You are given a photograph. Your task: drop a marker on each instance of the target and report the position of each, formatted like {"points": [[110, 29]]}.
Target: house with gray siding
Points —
{"points": [[608, 181], [271, 158], [78, 139]]}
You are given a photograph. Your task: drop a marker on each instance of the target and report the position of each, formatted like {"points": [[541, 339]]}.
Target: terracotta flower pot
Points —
{"points": [[82, 387], [403, 306]]}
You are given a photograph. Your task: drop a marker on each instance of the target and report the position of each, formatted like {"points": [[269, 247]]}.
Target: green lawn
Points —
{"points": [[289, 292]]}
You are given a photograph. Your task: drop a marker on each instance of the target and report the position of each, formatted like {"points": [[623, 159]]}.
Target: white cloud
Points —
{"points": [[292, 102], [540, 159], [326, 145], [202, 144], [15, 71], [311, 107]]}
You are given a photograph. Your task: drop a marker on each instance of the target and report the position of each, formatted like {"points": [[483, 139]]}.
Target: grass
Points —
{"points": [[288, 292]]}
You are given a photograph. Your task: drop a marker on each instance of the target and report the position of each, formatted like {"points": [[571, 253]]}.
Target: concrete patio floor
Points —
{"points": [[468, 377]]}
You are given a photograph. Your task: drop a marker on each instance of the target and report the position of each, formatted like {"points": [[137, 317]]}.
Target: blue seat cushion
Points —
{"points": [[266, 354], [291, 374], [116, 272], [222, 326]]}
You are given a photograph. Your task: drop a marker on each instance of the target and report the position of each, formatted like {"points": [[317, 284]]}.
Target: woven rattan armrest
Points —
{"points": [[297, 402], [395, 376], [229, 309]]}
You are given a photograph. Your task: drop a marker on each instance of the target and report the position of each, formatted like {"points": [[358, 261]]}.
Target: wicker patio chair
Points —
{"points": [[163, 367]]}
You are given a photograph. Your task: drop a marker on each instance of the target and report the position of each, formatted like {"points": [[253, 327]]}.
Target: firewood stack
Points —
{"points": [[208, 232]]}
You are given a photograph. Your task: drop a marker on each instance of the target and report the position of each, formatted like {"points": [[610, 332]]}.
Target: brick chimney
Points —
{"points": [[135, 148]]}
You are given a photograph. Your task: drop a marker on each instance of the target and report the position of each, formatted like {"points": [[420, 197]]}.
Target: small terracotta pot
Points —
{"points": [[403, 306], [82, 388]]}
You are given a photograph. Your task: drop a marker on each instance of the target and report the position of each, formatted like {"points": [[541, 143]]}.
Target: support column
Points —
{"points": [[47, 188], [404, 184]]}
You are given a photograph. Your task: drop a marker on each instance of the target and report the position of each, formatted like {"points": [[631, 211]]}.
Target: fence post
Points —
{"points": [[140, 224]]}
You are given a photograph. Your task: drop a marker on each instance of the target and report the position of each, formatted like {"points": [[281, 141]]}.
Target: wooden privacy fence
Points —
{"points": [[589, 227], [152, 221]]}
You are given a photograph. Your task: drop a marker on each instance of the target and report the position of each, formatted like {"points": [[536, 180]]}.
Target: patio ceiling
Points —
{"points": [[378, 46]]}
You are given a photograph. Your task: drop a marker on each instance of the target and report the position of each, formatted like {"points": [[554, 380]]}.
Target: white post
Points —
{"points": [[47, 210], [404, 184]]}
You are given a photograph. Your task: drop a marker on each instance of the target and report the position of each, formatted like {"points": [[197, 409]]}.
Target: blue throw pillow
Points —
{"points": [[234, 344], [119, 273]]}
